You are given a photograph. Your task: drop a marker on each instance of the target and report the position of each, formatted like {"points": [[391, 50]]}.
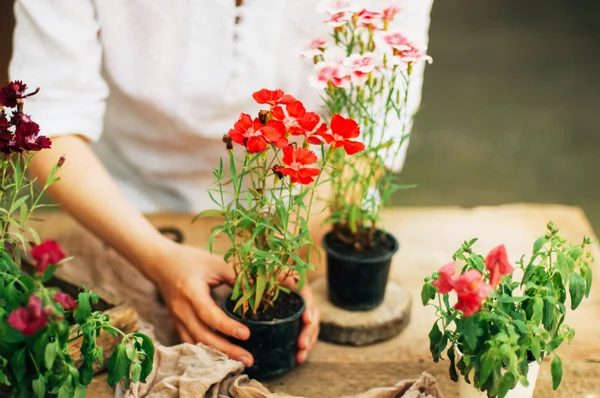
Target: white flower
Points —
{"points": [[316, 47], [360, 66], [330, 72]]}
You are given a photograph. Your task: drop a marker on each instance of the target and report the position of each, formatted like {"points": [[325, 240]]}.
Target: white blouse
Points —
{"points": [[155, 84]]}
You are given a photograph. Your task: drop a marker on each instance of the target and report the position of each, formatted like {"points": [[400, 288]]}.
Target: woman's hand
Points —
{"points": [[185, 275], [310, 331]]}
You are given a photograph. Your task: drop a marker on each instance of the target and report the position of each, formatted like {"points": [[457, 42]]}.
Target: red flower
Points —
{"points": [[445, 282], [342, 130], [295, 111], [255, 136], [471, 291], [47, 253], [312, 128], [272, 97], [497, 263], [296, 159], [66, 301], [28, 320], [11, 92]]}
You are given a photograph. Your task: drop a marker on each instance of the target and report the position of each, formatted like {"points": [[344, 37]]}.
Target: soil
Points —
{"points": [[380, 247], [286, 305]]}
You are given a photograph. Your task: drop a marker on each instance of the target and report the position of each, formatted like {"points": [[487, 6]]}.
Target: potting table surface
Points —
{"points": [[428, 237]]}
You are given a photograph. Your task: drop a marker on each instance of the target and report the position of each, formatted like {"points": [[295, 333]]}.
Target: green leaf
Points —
{"points": [[428, 293], [509, 299], [208, 213], [80, 391], [586, 272], [17, 203], [39, 386], [538, 244], [50, 354], [557, 371], [435, 339], [554, 343], [131, 354], [487, 364], [538, 306], [233, 172], [261, 283], [469, 331], [453, 373], [562, 266], [136, 370], [66, 389], [118, 365], [576, 289], [17, 364], [84, 309], [549, 308], [148, 346]]}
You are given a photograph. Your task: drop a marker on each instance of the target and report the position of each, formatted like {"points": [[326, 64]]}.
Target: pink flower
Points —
{"points": [[339, 19], [471, 291], [66, 301], [335, 6], [47, 253], [360, 65], [367, 18], [330, 73], [497, 263], [28, 320], [316, 47], [445, 282], [403, 50], [389, 14], [295, 111]]}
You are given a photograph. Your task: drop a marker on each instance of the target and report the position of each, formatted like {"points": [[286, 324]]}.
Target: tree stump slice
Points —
{"points": [[359, 328]]}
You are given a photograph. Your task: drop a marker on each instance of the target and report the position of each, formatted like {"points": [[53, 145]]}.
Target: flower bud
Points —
{"points": [[61, 161], [263, 116], [228, 141], [277, 170]]}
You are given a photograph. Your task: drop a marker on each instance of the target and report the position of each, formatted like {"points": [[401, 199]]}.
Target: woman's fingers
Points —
{"points": [[216, 318]]}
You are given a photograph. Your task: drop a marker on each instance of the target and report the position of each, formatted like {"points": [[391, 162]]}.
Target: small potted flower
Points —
{"points": [[364, 69], [38, 321], [499, 329], [265, 193]]}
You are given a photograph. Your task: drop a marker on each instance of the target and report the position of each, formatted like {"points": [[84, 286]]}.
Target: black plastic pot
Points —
{"points": [[357, 283], [273, 344]]}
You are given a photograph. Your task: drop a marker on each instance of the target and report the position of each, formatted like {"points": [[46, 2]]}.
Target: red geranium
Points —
{"points": [[445, 282], [497, 263], [342, 130], [28, 320], [272, 97], [255, 136], [296, 159], [47, 253], [65, 300], [471, 291], [295, 112]]}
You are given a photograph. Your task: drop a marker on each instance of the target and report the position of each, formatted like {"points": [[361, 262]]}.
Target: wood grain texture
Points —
{"points": [[358, 328]]}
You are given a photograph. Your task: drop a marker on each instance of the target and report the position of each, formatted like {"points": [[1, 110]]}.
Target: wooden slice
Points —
{"points": [[358, 328]]}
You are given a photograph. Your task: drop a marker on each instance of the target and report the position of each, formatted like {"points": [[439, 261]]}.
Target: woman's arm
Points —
{"points": [[183, 274]]}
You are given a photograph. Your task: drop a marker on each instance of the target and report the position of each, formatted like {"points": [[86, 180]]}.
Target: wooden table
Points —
{"points": [[428, 237]]}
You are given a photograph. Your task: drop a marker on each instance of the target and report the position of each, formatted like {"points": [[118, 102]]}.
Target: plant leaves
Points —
{"points": [[428, 293], [586, 272], [453, 373], [576, 289], [554, 343], [39, 386], [538, 244], [118, 365], [549, 308], [556, 369], [17, 364], [538, 306], [84, 309], [50, 354], [208, 213], [435, 337], [469, 331], [562, 266], [136, 370]]}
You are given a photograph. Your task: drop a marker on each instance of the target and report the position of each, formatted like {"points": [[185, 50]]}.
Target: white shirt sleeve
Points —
{"points": [[56, 47]]}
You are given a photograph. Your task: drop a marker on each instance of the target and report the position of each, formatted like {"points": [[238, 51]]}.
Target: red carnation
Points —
{"points": [[497, 263], [272, 97], [471, 291], [295, 112], [47, 253], [11, 92], [296, 159], [65, 300], [28, 320], [445, 282], [342, 130], [311, 129], [255, 136]]}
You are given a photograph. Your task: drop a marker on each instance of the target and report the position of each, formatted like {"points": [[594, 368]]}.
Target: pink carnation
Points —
{"points": [[329, 72]]}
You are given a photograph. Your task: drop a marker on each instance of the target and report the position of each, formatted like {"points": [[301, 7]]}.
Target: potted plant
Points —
{"points": [[38, 321], [500, 329], [265, 193], [364, 69]]}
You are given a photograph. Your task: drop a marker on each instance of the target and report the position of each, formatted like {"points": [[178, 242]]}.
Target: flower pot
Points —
{"points": [[467, 390], [273, 343], [357, 280]]}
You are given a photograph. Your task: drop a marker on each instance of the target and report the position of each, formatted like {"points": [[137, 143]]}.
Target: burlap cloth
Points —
{"points": [[183, 370]]}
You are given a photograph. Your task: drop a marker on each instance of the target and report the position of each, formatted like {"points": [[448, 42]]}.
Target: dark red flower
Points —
{"points": [[342, 130], [296, 160], [4, 122], [272, 97], [28, 320], [65, 300], [497, 263], [295, 111], [255, 136], [472, 292], [11, 92], [47, 253], [445, 282]]}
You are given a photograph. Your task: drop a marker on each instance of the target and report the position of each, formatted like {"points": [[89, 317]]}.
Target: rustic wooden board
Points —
{"points": [[358, 328]]}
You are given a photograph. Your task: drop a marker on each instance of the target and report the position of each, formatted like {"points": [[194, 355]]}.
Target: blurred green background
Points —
{"points": [[510, 104]]}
